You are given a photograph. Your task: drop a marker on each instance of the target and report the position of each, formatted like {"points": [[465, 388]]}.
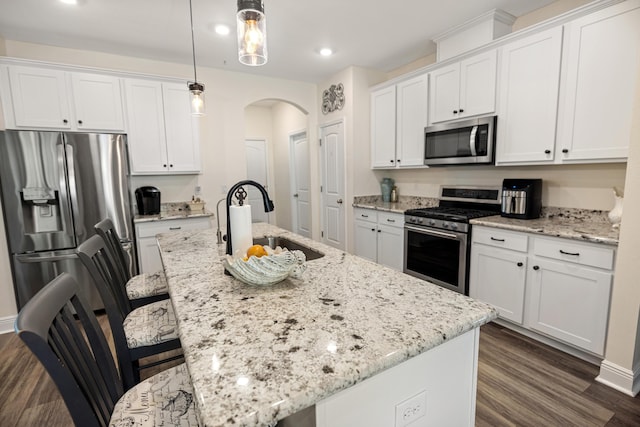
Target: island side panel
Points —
{"points": [[436, 388]]}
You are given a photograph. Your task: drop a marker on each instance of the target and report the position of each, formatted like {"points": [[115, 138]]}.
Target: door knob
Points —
{"points": [[295, 195], [339, 201]]}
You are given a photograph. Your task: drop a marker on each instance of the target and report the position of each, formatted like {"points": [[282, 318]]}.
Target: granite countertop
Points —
{"points": [[173, 210], [576, 224], [404, 203], [259, 354]]}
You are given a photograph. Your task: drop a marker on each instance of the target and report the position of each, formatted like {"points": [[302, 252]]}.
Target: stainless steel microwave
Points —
{"points": [[460, 143]]}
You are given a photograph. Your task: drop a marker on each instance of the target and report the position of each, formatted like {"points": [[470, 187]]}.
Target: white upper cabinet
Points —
{"points": [[602, 62], [527, 108], [398, 119], [411, 119], [161, 131], [56, 99], [383, 128], [463, 89], [98, 102]]}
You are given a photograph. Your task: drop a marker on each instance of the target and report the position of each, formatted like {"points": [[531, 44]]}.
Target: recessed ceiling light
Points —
{"points": [[69, 1], [223, 30], [325, 51]]}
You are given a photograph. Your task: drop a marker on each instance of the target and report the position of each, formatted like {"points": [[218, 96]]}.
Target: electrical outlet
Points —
{"points": [[411, 409], [197, 190]]}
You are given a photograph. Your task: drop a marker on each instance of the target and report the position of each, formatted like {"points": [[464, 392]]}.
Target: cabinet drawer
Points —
{"points": [[151, 229], [368, 215], [565, 250], [391, 219], [500, 238]]}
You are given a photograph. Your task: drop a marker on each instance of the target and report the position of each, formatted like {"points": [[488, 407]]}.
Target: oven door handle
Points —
{"points": [[472, 141], [433, 232]]}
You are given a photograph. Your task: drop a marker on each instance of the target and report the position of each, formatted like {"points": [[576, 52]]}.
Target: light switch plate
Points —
{"points": [[410, 410]]}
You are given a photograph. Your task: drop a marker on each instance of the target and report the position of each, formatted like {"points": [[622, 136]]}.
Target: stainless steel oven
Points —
{"points": [[438, 239], [438, 256]]}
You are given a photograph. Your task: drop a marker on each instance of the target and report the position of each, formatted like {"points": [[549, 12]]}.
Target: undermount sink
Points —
{"points": [[283, 242]]}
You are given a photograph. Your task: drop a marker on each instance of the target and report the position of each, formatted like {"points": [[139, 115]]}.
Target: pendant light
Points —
{"points": [[196, 89], [252, 32]]}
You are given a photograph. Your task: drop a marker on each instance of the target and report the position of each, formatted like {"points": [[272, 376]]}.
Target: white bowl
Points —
{"points": [[266, 270]]}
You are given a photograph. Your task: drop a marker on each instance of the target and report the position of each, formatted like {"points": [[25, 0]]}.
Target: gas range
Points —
{"points": [[438, 240], [456, 207]]}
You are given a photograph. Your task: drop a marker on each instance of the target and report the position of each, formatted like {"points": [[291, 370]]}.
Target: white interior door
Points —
{"points": [[300, 188], [257, 170], [333, 188]]}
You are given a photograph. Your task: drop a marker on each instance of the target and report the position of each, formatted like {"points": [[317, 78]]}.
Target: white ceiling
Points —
{"points": [[382, 34]]}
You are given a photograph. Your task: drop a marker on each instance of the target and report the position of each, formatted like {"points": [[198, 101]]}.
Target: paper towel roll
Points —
{"points": [[241, 236]]}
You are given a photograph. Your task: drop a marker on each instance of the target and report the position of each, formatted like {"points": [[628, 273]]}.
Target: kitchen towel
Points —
{"points": [[241, 235]]}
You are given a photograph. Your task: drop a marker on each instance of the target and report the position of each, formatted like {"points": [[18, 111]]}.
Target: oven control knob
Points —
{"points": [[445, 224], [432, 222], [419, 220], [454, 226]]}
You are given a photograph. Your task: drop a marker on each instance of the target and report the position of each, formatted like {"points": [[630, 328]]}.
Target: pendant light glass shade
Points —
{"points": [[252, 32], [197, 99], [196, 89]]}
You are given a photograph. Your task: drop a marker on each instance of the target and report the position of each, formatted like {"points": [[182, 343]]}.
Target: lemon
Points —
{"points": [[257, 251]]}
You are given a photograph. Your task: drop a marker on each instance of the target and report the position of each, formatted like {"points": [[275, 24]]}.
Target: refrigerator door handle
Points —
{"points": [[65, 206], [36, 258], [73, 191]]}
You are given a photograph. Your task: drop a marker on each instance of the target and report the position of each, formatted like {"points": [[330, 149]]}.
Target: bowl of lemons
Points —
{"points": [[262, 265]]}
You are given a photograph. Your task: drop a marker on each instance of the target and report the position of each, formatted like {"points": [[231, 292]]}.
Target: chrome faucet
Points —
{"points": [[268, 206]]}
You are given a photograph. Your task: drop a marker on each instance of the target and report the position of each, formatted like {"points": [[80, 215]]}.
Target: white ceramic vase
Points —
{"points": [[615, 215]]}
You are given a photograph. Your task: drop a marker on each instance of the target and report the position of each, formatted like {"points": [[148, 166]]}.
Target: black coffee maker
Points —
{"points": [[521, 198], [148, 200]]}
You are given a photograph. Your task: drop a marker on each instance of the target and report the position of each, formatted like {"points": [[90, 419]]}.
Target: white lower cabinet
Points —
{"points": [[553, 286], [148, 253], [379, 237]]}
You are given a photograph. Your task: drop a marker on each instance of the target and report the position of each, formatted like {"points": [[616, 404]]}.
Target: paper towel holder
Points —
{"points": [[268, 204]]}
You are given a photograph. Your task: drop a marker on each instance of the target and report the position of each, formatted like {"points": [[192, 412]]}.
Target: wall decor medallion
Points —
{"points": [[333, 98]]}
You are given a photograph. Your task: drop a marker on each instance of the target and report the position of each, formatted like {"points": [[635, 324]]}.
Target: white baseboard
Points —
{"points": [[6, 324], [619, 378]]}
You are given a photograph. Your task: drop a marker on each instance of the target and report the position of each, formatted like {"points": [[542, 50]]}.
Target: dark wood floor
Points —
{"points": [[520, 383]]}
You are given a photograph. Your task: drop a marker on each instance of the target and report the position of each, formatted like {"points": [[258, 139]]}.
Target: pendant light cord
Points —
{"points": [[193, 44]]}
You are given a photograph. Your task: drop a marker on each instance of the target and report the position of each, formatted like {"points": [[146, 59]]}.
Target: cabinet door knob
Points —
{"points": [[79, 122], [565, 150], [462, 110], [378, 231], [398, 160], [547, 151], [164, 166], [455, 111], [65, 121], [373, 229], [519, 264], [391, 160], [339, 201], [171, 166], [535, 267]]}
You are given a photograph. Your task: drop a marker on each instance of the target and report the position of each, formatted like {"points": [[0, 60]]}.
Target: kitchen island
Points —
{"points": [[405, 347]]}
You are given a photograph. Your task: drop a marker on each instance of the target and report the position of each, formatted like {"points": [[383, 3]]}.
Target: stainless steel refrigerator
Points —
{"points": [[55, 188]]}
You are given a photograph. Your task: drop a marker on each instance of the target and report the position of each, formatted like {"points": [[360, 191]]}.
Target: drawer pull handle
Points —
{"points": [[364, 216], [497, 240], [175, 228], [391, 220], [570, 253], [519, 264]]}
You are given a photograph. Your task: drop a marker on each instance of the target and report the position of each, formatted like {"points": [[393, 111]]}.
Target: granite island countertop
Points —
{"points": [[575, 224], [260, 354]]}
